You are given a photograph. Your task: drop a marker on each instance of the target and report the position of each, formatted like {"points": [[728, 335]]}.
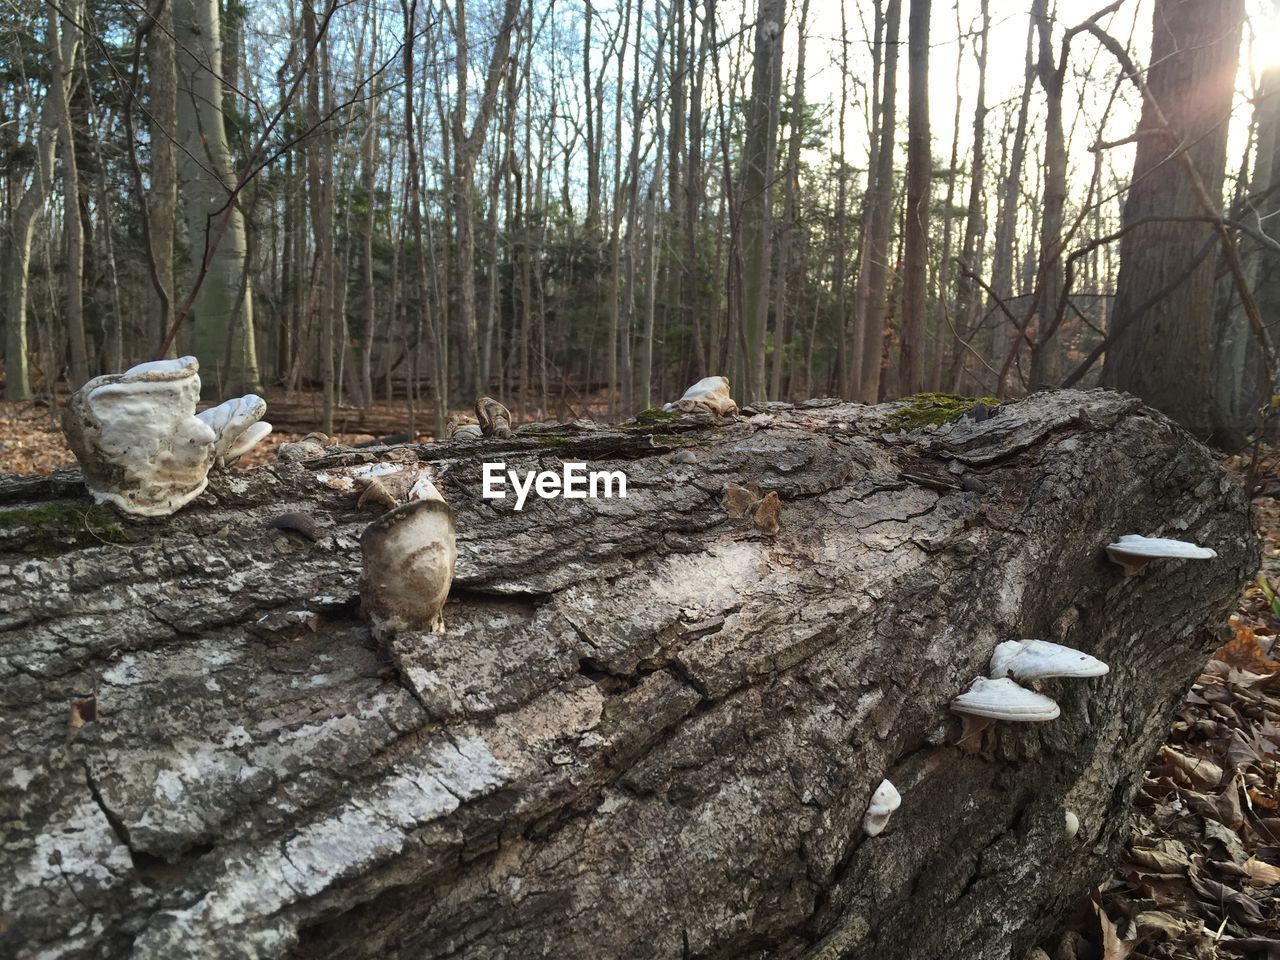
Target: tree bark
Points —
{"points": [[1240, 378], [758, 160], [467, 142], [1046, 368], [223, 308], [61, 81], [791, 190], [162, 198], [916, 231], [1164, 355], [639, 702], [975, 221], [873, 271]]}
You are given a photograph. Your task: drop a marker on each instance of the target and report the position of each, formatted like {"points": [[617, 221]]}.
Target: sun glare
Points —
{"points": [[1266, 43]]}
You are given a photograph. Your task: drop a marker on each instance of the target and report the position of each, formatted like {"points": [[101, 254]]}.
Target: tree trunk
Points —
{"points": [[1240, 377], [791, 190], [975, 221], [222, 314], [1164, 354], [368, 222], [873, 272], [1046, 369], [759, 149], [60, 83], [643, 704], [21, 230], [919, 167], [466, 145], [162, 198], [1002, 261], [320, 192], [423, 321]]}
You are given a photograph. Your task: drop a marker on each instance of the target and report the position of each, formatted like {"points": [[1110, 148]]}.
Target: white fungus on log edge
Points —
{"points": [[1003, 699], [1041, 660], [141, 445], [884, 801], [239, 427], [1133, 552]]}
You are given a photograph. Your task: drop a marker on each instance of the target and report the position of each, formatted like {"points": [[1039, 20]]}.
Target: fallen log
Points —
{"points": [[651, 728]]}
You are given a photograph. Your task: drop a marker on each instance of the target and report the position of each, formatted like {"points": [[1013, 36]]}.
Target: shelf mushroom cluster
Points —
{"points": [[141, 445], [1002, 697]]}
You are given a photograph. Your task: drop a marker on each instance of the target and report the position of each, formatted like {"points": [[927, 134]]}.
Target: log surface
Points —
{"points": [[650, 728]]}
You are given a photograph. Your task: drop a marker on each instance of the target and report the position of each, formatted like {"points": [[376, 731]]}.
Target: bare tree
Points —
{"points": [[468, 139], [791, 192], [919, 168], [60, 84], [873, 271], [758, 160]]}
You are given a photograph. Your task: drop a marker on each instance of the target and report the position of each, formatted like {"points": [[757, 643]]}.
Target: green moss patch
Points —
{"points": [[932, 409], [652, 416], [52, 527]]}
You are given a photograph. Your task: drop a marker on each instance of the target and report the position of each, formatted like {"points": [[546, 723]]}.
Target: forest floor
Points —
{"points": [[1200, 876]]}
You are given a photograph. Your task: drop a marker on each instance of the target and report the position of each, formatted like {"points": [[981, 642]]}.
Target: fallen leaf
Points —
{"points": [[1261, 874]]}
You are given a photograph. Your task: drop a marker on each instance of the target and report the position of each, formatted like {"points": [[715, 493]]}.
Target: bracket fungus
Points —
{"points": [[1040, 660], [710, 394], [462, 425], [1002, 699], [314, 444], [1133, 552], [493, 417], [140, 444], [884, 801], [239, 427], [409, 555]]}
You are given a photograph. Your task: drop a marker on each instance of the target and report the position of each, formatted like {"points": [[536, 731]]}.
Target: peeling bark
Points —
{"points": [[649, 730]]}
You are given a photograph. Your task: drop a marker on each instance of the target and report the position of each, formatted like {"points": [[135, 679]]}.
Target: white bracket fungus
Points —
{"points": [[1133, 552], [1070, 824], [409, 555], [239, 426], [140, 444], [1003, 699], [884, 801], [1040, 660], [708, 394]]}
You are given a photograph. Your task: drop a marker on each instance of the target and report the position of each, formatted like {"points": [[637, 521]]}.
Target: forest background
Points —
{"points": [[568, 202]]}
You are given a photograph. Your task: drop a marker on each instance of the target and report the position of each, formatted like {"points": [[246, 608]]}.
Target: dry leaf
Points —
{"points": [[1197, 769], [1260, 873], [1244, 652], [1113, 948]]}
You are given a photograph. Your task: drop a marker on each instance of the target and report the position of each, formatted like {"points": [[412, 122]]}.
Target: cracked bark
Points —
{"points": [[650, 730]]}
